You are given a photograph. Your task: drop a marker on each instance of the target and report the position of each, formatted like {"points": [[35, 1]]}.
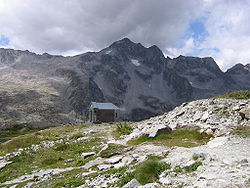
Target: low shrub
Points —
{"points": [[124, 128], [193, 167], [149, 171]]}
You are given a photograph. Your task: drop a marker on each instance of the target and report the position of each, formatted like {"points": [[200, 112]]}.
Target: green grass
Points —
{"points": [[66, 179], [123, 129], [46, 158], [37, 137], [75, 136], [146, 172], [149, 171], [235, 95], [188, 169], [242, 131], [193, 167], [20, 142], [178, 169], [180, 137], [123, 180], [124, 177], [15, 131], [112, 149]]}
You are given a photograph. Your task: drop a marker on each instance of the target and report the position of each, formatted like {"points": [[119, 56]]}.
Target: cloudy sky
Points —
{"points": [[216, 28]]}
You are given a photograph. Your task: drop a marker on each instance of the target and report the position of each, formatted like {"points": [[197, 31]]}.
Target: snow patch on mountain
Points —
{"points": [[135, 62]]}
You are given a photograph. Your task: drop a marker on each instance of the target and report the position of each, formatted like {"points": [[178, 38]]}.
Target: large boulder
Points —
{"points": [[245, 113], [156, 131]]}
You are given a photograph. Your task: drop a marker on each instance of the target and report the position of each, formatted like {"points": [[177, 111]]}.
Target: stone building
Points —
{"points": [[103, 112]]}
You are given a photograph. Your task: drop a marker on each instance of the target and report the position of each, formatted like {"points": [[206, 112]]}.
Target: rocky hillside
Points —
{"points": [[214, 116], [203, 143], [46, 90]]}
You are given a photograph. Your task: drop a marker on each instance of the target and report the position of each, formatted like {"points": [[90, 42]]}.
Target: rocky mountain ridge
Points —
{"points": [[44, 90]]}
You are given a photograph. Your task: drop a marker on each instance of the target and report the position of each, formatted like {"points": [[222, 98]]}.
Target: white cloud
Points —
{"points": [[75, 26], [228, 31], [62, 26]]}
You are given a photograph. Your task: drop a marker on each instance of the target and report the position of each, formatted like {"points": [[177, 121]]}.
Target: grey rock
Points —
{"points": [[209, 132], [245, 113], [165, 181], [69, 160], [104, 166], [86, 155], [132, 184], [244, 161], [114, 160], [160, 130], [4, 163]]}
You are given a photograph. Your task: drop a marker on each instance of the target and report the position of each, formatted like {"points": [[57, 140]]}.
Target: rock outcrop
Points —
{"points": [[213, 116]]}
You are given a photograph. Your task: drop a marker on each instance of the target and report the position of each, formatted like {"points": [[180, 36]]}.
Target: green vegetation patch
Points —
{"points": [[66, 179], [20, 142], [113, 149], [123, 129], [193, 167], [76, 136], [235, 95], [146, 172], [242, 131], [149, 171], [123, 180], [37, 137], [16, 130], [186, 137], [52, 157], [188, 169]]}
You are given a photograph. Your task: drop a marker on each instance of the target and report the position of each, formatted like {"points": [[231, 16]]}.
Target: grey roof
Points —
{"points": [[104, 106]]}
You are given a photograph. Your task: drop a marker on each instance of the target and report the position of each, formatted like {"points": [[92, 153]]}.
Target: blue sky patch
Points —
{"points": [[4, 41], [197, 52], [197, 29]]}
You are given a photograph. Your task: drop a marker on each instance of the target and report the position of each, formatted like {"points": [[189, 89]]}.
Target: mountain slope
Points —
{"points": [[53, 90], [241, 75]]}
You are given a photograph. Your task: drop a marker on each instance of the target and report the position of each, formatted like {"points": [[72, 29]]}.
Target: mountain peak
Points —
{"points": [[239, 68], [124, 42]]}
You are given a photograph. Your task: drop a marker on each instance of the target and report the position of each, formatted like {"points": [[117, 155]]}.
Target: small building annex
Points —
{"points": [[103, 112]]}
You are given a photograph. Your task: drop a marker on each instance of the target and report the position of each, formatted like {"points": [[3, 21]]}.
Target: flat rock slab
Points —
{"points": [[218, 141], [4, 163], [86, 155], [104, 166], [114, 160]]}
